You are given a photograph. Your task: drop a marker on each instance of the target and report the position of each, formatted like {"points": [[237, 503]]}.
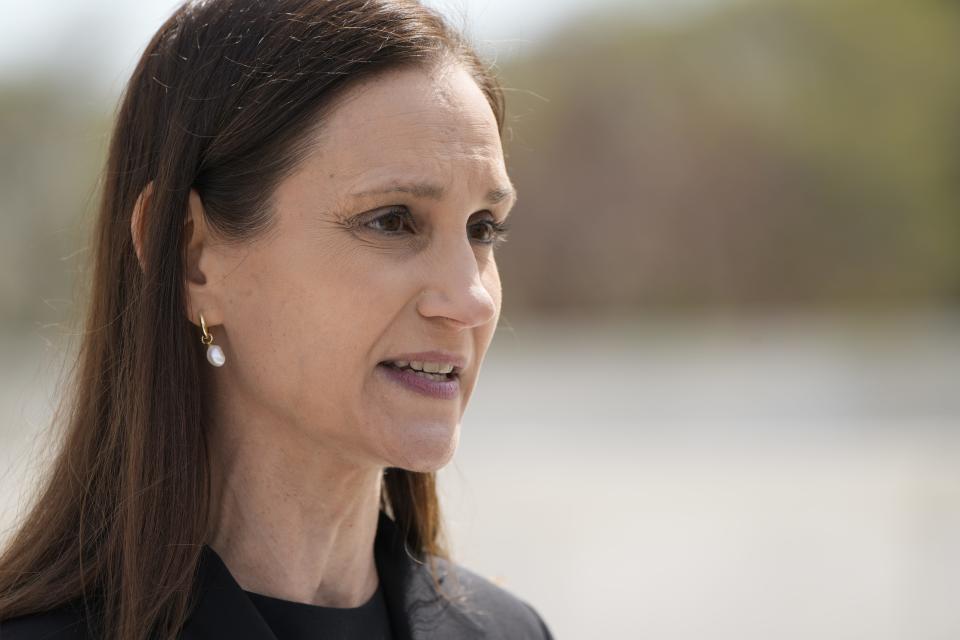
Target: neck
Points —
{"points": [[290, 520]]}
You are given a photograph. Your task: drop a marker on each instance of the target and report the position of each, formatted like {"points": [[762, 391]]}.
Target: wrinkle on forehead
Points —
{"points": [[445, 118], [449, 90]]}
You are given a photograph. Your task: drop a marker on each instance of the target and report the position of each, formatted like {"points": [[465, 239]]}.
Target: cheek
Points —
{"points": [[308, 326]]}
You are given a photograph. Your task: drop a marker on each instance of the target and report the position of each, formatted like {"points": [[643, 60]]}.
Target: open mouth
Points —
{"points": [[452, 375]]}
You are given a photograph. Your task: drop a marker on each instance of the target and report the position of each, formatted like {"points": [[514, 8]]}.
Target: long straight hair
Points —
{"points": [[221, 101]]}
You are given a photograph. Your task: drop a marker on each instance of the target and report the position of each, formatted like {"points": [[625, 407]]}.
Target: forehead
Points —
{"points": [[412, 120]]}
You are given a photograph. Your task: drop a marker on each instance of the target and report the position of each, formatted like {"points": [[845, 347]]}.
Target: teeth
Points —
{"points": [[431, 376], [428, 367]]}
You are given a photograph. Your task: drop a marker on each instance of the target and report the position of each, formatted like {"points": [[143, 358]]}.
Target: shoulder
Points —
{"points": [[500, 613], [63, 623]]}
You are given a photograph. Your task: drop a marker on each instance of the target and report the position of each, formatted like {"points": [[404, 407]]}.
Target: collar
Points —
{"points": [[417, 611]]}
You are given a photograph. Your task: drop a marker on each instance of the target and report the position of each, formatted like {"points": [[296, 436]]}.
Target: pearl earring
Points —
{"points": [[214, 352]]}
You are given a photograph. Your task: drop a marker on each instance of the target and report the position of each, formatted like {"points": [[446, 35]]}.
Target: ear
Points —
{"points": [[136, 222], [202, 297]]}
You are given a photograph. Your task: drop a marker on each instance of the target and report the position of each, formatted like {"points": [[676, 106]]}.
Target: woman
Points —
{"points": [[294, 289]]}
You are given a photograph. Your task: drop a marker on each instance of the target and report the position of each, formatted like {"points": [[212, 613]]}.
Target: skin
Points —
{"points": [[303, 422]]}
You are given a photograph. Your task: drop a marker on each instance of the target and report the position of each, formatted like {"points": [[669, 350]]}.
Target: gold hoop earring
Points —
{"points": [[214, 352]]}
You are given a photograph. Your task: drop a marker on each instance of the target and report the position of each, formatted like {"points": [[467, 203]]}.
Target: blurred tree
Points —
{"points": [[52, 143], [782, 153], [764, 153]]}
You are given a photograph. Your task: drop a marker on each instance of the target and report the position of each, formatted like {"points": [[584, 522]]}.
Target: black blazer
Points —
{"points": [[482, 610]]}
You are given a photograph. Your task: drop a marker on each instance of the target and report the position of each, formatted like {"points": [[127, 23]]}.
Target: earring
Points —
{"points": [[214, 352]]}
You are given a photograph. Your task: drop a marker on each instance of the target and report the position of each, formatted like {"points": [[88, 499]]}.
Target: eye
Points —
{"points": [[392, 218], [397, 218], [491, 231]]}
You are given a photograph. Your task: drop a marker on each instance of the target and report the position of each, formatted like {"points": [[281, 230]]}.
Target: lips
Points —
{"points": [[425, 384]]}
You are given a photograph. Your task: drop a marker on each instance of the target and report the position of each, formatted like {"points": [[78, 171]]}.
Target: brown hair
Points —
{"points": [[220, 101]]}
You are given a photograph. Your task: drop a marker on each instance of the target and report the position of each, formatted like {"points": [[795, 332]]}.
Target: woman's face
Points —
{"points": [[381, 248]]}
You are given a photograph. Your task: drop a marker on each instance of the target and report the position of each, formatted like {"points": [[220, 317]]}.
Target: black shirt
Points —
{"points": [[300, 621], [471, 607]]}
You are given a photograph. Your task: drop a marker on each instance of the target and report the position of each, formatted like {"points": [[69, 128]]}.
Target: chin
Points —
{"points": [[430, 449]]}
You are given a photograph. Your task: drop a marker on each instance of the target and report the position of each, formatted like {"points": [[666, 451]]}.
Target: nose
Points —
{"points": [[456, 290]]}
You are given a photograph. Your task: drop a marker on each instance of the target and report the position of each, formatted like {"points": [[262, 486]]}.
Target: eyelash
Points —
{"points": [[499, 229]]}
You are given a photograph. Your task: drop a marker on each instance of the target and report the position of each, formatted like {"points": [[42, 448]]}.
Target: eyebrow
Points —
{"points": [[436, 192]]}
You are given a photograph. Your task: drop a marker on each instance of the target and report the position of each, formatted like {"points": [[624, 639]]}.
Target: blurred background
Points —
{"points": [[723, 400]]}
